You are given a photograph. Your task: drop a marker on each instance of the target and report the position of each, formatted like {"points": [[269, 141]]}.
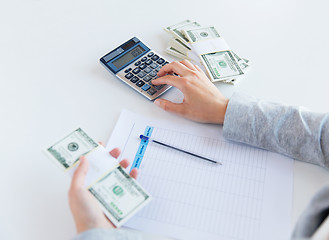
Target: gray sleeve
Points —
{"points": [[292, 131], [314, 215], [106, 234]]}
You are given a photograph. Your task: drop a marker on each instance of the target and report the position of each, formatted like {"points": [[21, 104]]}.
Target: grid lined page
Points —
{"points": [[247, 197], [211, 197]]}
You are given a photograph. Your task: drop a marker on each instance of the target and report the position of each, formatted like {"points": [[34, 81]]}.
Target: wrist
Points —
{"points": [[221, 110]]}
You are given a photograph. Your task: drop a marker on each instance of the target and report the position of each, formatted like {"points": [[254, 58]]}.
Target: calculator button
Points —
{"points": [[165, 63], [148, 62], [134, 79], [153, 74], [147, 78], [127, 70], [155, 57], [150, 54], [158, 87], [158, 68], [153, 65], [152, 91], [160, 61], [146, 87], [129, 75], [137, 63], [141, 74], [140, 83], [136, 70], [147, 70], [144, 59], [142, 66]]}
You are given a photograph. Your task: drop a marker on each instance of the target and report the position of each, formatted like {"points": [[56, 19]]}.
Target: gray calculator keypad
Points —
{"points": [[145, 70]]}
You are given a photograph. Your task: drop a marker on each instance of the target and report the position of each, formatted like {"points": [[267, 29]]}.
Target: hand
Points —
{"points": [[85, 209], [202, 102]]}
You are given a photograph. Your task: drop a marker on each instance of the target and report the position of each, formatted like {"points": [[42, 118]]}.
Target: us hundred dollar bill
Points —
{"points": [[67, 151], [178, 45], [203, 34], [221, 65], [194, 42], [174, 52], [200, 34], [177, 29], [119, 195], [177, 25]]}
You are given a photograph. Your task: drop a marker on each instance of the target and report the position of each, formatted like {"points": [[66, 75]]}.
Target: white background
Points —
{"points": [[51, 82]]}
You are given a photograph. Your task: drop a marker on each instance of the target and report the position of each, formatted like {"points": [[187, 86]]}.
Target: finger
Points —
{"points": [[124, 163], [101, 143], [115, 152], [188, 64], [198, 68], [170, 80], [134, 173], [175, 67], [79, 175], [169, 73], [170, 106]]}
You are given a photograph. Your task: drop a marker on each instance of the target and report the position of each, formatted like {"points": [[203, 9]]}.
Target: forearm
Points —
{"points": [[292, 131]]}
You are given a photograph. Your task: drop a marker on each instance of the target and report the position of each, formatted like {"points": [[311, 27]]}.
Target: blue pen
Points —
{"points": [[181, 150]]}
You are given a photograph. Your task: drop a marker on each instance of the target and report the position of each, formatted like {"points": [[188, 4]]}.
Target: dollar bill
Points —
{"points": [[191, 56], [194, 42], [240, 59], [230, 81], [66, 152], [177, 25], [120, 195], [179, 50], [179, 46], [177, 31], [200, 34], [221, 65], [237, 57], [174, 52]]}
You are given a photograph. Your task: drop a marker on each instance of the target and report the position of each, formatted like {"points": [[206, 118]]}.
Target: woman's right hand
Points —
{"points": [[203, 102]]}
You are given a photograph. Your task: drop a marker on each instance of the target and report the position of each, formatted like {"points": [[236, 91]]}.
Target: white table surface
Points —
{"points": [[51, 82]]}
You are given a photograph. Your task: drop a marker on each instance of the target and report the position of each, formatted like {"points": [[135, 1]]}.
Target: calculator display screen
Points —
{"points": [[127, 57]]}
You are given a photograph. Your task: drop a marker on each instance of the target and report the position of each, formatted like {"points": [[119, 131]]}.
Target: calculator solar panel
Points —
{"points": [[136, 65]]}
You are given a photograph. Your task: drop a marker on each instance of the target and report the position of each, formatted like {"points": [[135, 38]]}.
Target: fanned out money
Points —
{"points": [[207, 48], [119, 195]]}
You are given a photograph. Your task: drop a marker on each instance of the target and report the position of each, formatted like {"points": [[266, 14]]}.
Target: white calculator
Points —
{"points": [[136, 65]]}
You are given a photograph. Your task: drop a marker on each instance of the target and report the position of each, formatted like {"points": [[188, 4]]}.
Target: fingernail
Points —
{"points": [[157, 102]]}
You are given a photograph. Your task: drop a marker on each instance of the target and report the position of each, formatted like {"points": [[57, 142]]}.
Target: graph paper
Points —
{"points": [[247, 197]]}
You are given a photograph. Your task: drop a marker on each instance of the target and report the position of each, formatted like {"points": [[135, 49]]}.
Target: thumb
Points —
{"points": [[169, 106], [80, 173]]}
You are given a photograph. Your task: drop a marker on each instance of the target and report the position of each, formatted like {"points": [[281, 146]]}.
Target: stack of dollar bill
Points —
{"points": [[119, 195], [207, 48]]}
